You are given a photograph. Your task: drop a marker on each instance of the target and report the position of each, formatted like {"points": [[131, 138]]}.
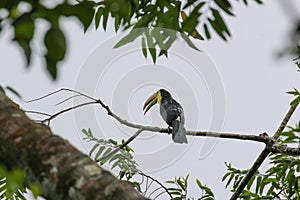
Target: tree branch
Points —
{"points": [[263, 137], [278, 148], [62, 171], [263, 155]]}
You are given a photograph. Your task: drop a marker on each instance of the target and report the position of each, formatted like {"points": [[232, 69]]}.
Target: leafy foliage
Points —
{"points": [[12, 185], [280, 181], [292, 136], [160, 23], [180, 188], [296, 93], [207, 194], [22, 17], [122, 160], [128, 168]]}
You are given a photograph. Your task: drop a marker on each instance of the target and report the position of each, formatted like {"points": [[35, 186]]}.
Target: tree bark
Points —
{"points": [[62, 170]]}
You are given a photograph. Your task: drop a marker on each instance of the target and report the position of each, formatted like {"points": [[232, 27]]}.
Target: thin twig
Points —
{"points": [[67, 99], [159, 183], [37, 112], [159, 188], [159, 195], [263, 155], [45, 96], [121, 146], [66, 110], [60, 90]]}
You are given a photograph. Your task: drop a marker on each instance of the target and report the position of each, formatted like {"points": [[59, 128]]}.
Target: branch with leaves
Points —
{"points": [[273, 144]]}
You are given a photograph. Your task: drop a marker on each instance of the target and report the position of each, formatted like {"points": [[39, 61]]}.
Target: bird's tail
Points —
{"points": [[178, 132]]}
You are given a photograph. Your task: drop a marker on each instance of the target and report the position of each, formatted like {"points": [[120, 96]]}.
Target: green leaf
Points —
{"points": [[135, 33], [35, 189], [181, 184], [199, 183], [93, 149], [151, 47], [115, 164], [98, 15], [217, 29], [225, 6], [190, 23], [15, 181], [12, 90], [117, 157], [117, 22], [23, 33], [229, 180], [207, 34], [114, 142], [99, 152], [170, 181], [176, 198], [290, 175], [55, 43], [189, 42], [250, 182], [259, 1], [245, 2], [24, 27], [105, 19], [225, 176], [108, 150], [295, 92], [144, 48], [144, 21], [258, 184], [88, 132], [220, 21], [295, 101], [84, 11]]}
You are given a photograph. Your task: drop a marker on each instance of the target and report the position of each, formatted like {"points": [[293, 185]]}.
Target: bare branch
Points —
{"points": [[37, 112], [66, 110], [60, 90], [67, 99], [250, 137]]}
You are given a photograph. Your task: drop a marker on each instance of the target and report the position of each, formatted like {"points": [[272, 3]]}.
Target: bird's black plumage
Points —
{"points": [[172, 113]]}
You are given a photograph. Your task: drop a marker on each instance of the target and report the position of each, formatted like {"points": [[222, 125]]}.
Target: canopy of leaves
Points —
{"points": [[187, 19], [280, 181]]}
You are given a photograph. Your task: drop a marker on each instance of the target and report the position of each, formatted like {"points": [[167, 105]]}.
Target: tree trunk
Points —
{"points": [[62, 170]]}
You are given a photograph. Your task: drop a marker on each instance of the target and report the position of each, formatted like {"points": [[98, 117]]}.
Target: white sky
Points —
{"points": [[254, 80]]}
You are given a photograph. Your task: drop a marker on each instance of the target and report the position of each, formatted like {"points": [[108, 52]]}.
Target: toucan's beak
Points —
{"points": [[151, 101]]}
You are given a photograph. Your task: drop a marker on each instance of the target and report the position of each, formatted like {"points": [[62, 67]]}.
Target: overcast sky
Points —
{"points": [[239, 87]]}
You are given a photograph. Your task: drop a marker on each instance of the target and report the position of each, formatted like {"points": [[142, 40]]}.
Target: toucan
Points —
{"points": [[171, 112]]}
